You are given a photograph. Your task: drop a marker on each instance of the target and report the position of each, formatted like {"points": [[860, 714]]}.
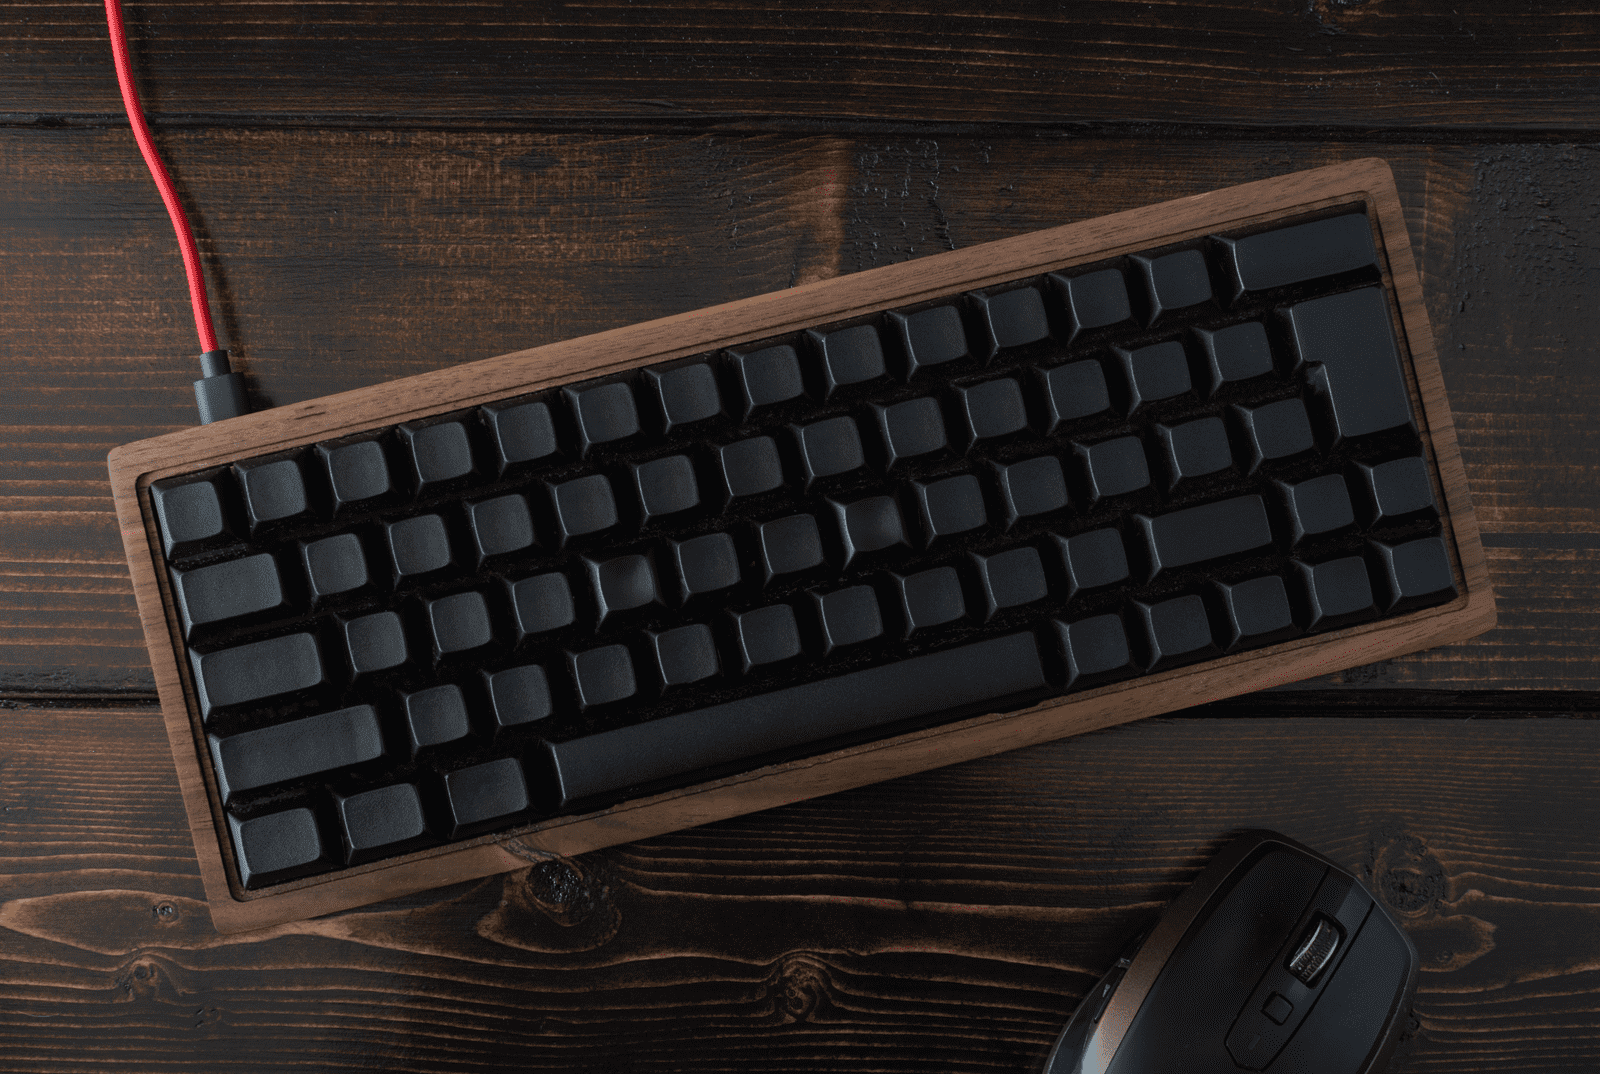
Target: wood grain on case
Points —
{"points": [[134, 466]]}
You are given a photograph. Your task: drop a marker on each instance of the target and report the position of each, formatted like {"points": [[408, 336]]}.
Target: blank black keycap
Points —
{"points": [[334, 565], [1257, 613], [326, 742], [459, 623], [1093, 559], [949, 506], [1334, 594], [909, 429], [256, 671], [847, 357], [604, 414], [1204, 533], [1237, 353], [276, 847], [868, 525], [1349, 340], [990, 410], [602, 676], [1176, 631], [1194, 449], [1010, 319], [1412, 575], [1299, 253], [984, 676], [622, 584], [828, 448], [789, 544], [766, 636], [1278, 430], [223, 591], [1154, 373], [357, 473], [1396, 491], [705, 564], [766, 377], [1113, 468], [435, 716], [1073, 392], [749, 467], [381, 822], [1010, 579], [847, 617], [541, 603], [665, 486], [439, 453], [374, 643], [1095, 299], [1096, 650], [500, 526], [583, 505], [683, 395], [190, 513], [1031, 487], [484, 796], [273, 492], [684, 655], [930, 598], [523, 432], [1174, 281], [1316, 507], [519, 695], [931, 337], [418, 546]]}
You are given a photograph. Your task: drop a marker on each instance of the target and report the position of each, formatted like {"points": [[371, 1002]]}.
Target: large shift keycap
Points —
{"points": [[276, 847], [1299, 253], [327, 742], [227, 591], [1350, 343], [984, 676], [256, 671], [1201, 534]]}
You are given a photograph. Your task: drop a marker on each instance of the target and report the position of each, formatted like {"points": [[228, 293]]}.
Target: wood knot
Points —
{"points": [[570, 895], [797, 986], [1405, 874]]}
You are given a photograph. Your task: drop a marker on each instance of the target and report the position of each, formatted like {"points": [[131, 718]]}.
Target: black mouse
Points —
{"points": [[1275, 959]]}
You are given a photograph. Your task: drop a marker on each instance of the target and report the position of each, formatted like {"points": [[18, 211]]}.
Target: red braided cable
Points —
{"points": [[158, 171]]}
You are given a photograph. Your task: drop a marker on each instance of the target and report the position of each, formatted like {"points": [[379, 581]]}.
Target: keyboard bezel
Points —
{"points": [[134, 467]]}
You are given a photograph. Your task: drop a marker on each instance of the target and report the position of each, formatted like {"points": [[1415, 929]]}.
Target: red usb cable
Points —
{"points": [[180, 222]]}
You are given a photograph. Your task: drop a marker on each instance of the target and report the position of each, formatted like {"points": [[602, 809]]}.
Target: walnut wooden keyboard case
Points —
{"points": [[616, 586]]}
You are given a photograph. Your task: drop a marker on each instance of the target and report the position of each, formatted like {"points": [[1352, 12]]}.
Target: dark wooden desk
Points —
{"points": [[383, 190]]}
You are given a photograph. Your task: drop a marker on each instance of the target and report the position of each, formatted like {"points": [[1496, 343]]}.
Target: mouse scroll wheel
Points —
{"points": [[1315, 950]]}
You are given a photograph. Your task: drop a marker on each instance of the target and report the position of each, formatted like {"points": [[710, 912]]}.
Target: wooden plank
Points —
{"points": [[947, 921], [376, 242], [135, 467], [1323, 63]]}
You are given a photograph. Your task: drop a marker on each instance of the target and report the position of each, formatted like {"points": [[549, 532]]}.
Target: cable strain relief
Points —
{"points": [[220, 396], [215, 364]]}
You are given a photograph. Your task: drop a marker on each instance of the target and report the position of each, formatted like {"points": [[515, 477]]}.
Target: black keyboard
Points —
{"points": [[483, 619]]}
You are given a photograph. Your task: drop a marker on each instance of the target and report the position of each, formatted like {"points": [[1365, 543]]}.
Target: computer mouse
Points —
{"points": [[1275, 959]]}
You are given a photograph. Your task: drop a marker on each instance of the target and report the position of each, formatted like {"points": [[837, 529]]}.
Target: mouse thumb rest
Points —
{"points": [[1244, 969]]}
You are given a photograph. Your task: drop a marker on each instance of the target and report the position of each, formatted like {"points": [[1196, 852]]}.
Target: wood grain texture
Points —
{"points": [[944, 922], [348, 258], [136, 466], [1327, 63]]}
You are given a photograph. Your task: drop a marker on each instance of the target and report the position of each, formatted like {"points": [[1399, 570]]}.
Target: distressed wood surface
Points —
{"points": [[944, 922], [346, 258], [1270, 63]]}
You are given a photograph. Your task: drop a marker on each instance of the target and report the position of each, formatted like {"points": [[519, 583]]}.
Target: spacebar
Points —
{"points": [[981, 677]]}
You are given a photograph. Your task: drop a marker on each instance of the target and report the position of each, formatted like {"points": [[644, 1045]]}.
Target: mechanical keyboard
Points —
{"points": [[614, 586]]}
